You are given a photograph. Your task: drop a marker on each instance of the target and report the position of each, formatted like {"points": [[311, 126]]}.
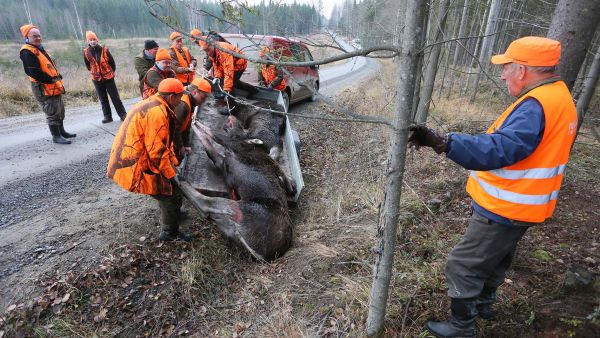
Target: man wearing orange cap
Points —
{"points": [[142, 158], [184, 64], [516, 169], [160, 71], [46, 82], [102, 67], [270, 76], [229, 69], [193, 97]]}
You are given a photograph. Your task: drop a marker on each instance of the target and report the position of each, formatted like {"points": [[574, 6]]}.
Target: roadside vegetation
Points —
{"points": [[321, 286]]}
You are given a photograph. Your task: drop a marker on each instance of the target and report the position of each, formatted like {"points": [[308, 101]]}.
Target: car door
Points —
{"points": [[298, 55], [311, 73]]}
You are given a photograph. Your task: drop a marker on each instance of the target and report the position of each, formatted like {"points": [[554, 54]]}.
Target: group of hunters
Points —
{"points": [[516, 167]]}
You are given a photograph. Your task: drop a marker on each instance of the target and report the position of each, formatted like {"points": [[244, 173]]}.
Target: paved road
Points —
{"points": [[26, 149]]}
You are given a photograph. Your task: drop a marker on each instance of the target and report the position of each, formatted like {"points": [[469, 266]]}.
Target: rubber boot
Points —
{"points": [[56, 137], [485, 301], [461, 322], [63, 133], [171, 233], [107, 119], [122, 116]]}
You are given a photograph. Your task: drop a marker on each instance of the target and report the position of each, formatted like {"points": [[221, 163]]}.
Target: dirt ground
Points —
{"points": [[120, 281]]}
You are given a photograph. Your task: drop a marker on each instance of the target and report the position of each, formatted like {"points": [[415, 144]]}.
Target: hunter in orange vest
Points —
{"points": [[184, 64], [516, 167], [142, 158], [46, 82], [160, 71], [270, 76], [102, 67], [193, 97]]}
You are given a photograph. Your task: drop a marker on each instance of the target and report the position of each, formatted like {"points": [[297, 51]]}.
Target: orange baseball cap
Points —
{"points": [[175, 36], [202, 84], [170, 86], [162, 54], [265, 50], [26, 28], [195, 32], [89, 35], [530, 51]]}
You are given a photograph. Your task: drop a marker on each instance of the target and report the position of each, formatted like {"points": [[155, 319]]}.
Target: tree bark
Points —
{"points": [[488, 42], [589, 87], [432, 67], [458, 50], [388, 220], [574, 24]]}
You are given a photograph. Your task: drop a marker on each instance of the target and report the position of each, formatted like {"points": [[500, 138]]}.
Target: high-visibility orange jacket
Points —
{"points": [[273, 76], [99, 70], [527, 190], [183, 61], [225, 65], [152, 80], [142, 155], [49, 68]]}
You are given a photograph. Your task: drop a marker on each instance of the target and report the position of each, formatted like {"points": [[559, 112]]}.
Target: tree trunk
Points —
{"points": [[459, 45], [420, 59], [488, 42], [388, 220], [432, 67], [471, 58], [589, 87], [574, 24]]}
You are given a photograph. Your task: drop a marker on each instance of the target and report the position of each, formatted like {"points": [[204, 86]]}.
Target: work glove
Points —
{"points": [[422, 136], [270, 88]]}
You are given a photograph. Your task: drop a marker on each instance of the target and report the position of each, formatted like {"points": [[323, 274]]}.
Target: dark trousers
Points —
{"points": [[105, 88], [53, 106], [237, 83], [481, 257], [170, 206]]}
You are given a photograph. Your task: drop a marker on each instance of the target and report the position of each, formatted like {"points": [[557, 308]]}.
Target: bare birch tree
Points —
{"points": [[388, 218], [589, 87], [488, 41]]}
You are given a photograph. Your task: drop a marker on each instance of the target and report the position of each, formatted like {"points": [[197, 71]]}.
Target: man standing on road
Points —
{"points": [[145, 60], [184, 64], [516, 173], [229, 69], [270, 76], [160, 71], [46, 82], [102, 67], [193, 97], [142, 158]]}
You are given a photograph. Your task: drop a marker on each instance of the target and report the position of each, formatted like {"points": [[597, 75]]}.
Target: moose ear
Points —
{"points": [[254, 141]]}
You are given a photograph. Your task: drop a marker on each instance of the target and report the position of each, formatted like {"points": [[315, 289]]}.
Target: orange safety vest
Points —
{"points": [[48, 67], [187, 119], [148, 89], [142, 155], [527, 190], [224, 65], [99, 71], [269, 73], [184, 61]]}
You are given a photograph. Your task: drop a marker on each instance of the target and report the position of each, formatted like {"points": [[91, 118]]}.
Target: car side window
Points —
{"points": [[297, 52], [307, 55]]}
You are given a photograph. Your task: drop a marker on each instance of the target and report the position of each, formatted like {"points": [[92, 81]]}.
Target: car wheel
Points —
{"points": [[314, 95], [286, 100]]}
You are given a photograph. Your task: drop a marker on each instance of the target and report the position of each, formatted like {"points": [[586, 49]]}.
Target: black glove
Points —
{"points": [[424, 137]]}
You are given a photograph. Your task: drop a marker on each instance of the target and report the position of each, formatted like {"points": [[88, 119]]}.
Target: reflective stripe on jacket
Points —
{"points": [[142, 155], [184, 61], [99, 70], [527, 190], [225, 65], [270, 73], [149, 90], [48, 67]]}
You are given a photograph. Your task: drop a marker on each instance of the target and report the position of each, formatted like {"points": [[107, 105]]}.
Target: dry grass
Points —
{"points": [[15, 89]]}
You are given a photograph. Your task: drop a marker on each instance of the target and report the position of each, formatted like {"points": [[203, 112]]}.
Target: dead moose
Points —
{"points": [[257, 215]]}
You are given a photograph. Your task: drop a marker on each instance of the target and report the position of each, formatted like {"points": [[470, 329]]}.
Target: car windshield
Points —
{"points": [[249, 47]]}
